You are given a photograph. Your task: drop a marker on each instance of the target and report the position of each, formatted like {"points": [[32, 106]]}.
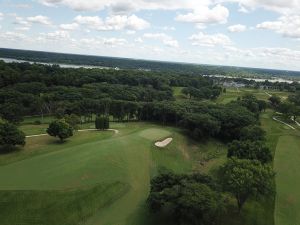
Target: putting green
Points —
{"points": [[287, 168]]}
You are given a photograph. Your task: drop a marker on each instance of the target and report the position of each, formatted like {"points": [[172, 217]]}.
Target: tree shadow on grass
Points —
{"points": [[7, 149]]}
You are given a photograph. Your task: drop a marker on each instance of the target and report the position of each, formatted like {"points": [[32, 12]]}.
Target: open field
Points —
{"points": [[114, 169], [285, 144], [233, 93], [286, 164]]}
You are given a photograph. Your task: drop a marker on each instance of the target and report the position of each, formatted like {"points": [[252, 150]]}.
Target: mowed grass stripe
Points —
{"points": [[84, 164], [57, 207], [287, 167], [90, 159]]}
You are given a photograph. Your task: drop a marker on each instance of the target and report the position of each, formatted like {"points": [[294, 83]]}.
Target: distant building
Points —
{"points": [[233, 84]]}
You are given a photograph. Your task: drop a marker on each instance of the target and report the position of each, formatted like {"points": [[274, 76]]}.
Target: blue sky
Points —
{"points": [[252, 33]]}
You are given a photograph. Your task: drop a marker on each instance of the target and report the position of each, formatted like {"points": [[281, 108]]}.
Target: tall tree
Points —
{"points": [[253, 150], [10, 136], [246, 178]]}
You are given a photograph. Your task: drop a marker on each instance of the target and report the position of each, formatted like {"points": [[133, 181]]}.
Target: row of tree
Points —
{"points": [[31, 89], [290, 109], [201, 199]]}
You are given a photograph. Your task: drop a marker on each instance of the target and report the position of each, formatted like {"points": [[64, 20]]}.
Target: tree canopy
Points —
{"points": [[60, 129], [245, 178], [10, 136]]}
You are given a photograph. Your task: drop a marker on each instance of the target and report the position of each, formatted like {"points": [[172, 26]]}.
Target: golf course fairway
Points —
{"points": [[114, 169], [287, 167]]}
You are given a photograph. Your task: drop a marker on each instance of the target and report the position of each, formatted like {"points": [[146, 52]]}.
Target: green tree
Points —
{"points": [[10, 136], [102, 122], [186, 199], [287, 109], [60, 129], [252, 133], [73, 120], [262, 105], [253, 150], [246, 178], [275, 100], [12, 112]]}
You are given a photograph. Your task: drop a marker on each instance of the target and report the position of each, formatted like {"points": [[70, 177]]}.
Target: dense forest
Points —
{"points": [[126, 63]]}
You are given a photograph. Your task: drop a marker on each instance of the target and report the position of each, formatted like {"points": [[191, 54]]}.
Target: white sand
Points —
{"points": [[163, 143]]}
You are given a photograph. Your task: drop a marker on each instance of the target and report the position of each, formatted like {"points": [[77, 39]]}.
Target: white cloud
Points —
{"points": [[21, 21], [288, 26], [281, 57], [204, 15], [55, 36], [22, 6], [279, 6], [91, 21], [114, 41], [70, 26], [138, 40], [22, 28], [39, 19], [130, 32], [100, 42], [125, 6], [12, 36], [122, 8], [208, 40], [167, 28], [117, 22], [164, 38], [1, 16], [237, 28]]}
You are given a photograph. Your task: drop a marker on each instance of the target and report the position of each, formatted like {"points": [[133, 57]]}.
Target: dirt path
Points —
{"points": [[298, 124], [39, 135], [274, 118], [268, 94]]}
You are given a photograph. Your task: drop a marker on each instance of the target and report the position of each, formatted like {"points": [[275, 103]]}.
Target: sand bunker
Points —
{"points": [[163, 143]]}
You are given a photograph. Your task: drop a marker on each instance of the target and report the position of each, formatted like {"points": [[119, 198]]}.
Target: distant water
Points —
{"points": [[10, 60], [272, 79]]}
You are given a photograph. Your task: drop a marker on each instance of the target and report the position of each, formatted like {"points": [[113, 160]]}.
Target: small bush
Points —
{"points": [[37, 122]]}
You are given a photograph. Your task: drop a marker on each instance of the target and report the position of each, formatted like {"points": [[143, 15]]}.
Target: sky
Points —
{"points": [[250, 33]]}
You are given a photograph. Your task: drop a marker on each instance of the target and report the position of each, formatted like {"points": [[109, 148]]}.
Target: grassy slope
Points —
{"points": [[67, 207], [288, 180], [233, 93], [131, 159], [285, 144], [46, 167]]}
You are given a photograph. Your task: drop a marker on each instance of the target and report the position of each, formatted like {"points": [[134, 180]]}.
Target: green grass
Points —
{"points": [[66, 207], [285, 145], [177, 93], [233, 93], [48, 170], [287, 167], [32, 119], [53, 171]]}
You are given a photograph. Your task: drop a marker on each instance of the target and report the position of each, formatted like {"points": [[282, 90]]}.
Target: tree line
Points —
{"points": [[28, 89], [201, 199]]}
